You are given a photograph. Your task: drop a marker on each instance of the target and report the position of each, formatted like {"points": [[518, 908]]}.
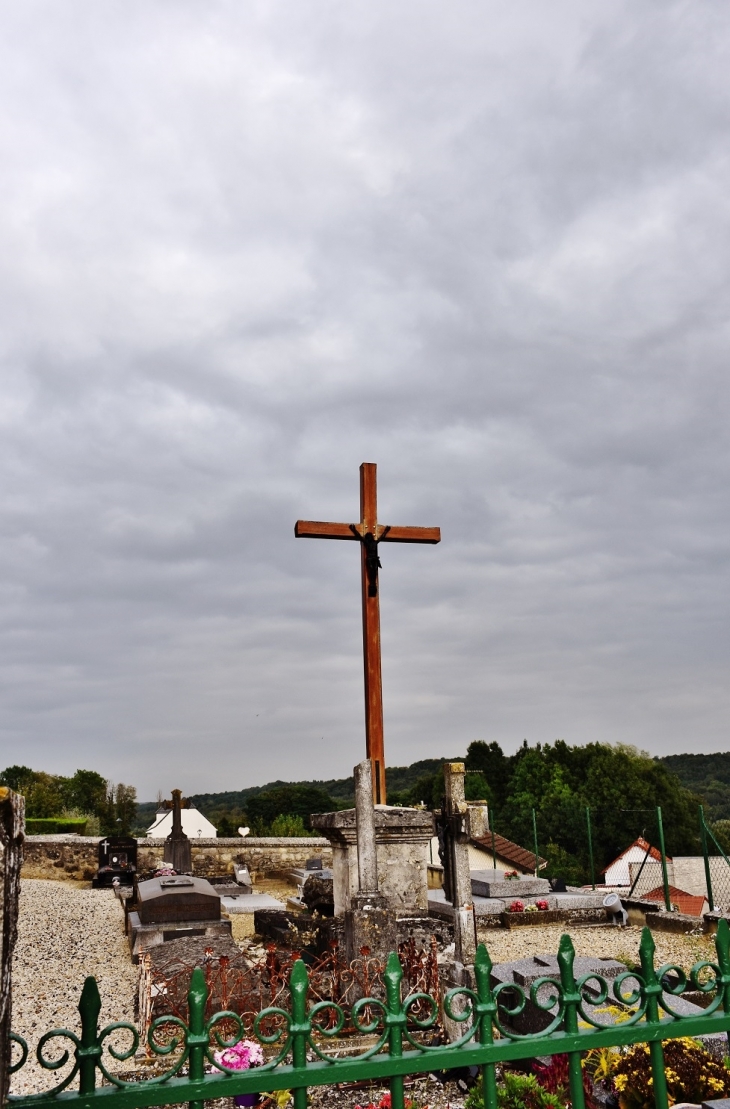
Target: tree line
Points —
{"points": [[619, 785], [86, 799]]}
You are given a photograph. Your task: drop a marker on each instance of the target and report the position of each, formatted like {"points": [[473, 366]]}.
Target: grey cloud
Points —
{"points": [[243, 249]]}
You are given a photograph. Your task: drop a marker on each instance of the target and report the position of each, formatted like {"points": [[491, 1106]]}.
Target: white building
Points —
{"points": [[618, 873], [194, 825]]}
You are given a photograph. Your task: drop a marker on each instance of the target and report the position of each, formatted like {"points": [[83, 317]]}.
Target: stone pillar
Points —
{"points": [[367, 857], [12, 826], [457, 850], [370, 920]]}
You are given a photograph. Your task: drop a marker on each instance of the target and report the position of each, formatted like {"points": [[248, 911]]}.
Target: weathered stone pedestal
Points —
{"points": [[370, 923], [402, 839]]}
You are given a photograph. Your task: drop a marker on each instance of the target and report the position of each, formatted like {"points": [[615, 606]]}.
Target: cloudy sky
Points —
{"points": [[245, 247]]}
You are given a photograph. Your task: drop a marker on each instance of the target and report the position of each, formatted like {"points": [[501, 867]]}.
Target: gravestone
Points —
{"points": [[177, 845], [117, 860]]}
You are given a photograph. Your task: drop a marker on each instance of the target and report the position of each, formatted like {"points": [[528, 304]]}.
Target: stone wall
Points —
{"points": [[76, 856]]}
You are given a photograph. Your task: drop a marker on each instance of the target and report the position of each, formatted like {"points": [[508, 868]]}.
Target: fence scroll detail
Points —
{"points": [[395, 1035]]}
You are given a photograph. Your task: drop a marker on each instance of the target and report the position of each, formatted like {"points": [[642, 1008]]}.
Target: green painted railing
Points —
{"points": [[296, 1050]]}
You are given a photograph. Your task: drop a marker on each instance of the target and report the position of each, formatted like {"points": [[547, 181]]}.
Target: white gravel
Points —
{"points": [[606, 942], [65, 933]]}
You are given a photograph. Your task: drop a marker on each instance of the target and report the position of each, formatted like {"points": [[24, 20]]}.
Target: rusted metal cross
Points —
{"points": [[370, 534]]}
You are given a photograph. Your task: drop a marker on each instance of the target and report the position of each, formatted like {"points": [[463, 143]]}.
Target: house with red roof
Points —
{"points": [[689, 903], [618, 873]]}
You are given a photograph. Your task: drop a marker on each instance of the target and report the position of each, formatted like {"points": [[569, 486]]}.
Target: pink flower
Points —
{"points": [[244, 1054], [516, 907], [542, 904]]}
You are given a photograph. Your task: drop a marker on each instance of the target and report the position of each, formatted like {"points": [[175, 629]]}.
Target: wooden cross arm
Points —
{"points": [[318, 529], [396, 534]]}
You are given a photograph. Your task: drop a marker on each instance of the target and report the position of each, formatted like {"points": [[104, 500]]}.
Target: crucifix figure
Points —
{"points": [[370, 534]]}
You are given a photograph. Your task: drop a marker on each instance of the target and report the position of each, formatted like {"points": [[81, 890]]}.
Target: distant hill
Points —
{"points": [[232, 803], [706, 775]]}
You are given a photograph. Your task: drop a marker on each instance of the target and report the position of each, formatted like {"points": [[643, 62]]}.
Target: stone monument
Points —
{"points": [[370, 920], [177, 845], [402, 838]]}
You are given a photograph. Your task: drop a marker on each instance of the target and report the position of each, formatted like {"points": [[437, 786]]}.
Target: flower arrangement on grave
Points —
{"points": [[242, 1056], [530, 908], [516, 907], [693, 1075], [510, 874], [542, 905], [386, 1103]]}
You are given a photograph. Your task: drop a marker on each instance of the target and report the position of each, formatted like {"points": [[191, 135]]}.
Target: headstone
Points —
{"points": [[117, 859], [12, 828], [177, 845]]}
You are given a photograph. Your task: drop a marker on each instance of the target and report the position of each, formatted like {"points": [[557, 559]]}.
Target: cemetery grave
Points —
{"points": [[117, 862]]}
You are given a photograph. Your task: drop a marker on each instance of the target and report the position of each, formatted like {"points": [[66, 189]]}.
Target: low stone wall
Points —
{"points": [[76, 856], [674, 922]]}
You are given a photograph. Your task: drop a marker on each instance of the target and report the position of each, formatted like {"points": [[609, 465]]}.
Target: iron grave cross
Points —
{"points": [[369, 533]]}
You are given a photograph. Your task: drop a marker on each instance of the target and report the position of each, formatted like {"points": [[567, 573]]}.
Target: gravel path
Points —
{"points": [[609, 942], [64, 934]]}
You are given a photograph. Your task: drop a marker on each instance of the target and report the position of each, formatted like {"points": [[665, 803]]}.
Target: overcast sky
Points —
{"points": [[245, 247]]}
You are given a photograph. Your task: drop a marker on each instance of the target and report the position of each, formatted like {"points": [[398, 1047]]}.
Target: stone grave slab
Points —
{"points": [[249, 903], [523, 972], [484, 884], [299, 875], [571, 900]]}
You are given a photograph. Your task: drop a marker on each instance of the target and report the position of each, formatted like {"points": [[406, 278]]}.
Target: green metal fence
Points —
{"points": [[297, 1040]]}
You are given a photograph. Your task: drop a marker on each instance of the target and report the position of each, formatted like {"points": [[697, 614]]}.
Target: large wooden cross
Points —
{"points": [[369, 533]]}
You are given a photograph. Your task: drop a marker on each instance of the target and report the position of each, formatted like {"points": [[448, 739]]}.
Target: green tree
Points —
{"points": [[119, 809], [428, 790], [476, 787], [721, 830], [87, 792], [293, 800], [490, 760], [16, 777], [287, 825], [44, 794]]}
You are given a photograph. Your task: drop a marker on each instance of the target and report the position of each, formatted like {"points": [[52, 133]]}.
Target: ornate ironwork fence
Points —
{"points": [[299, 1040], [247, 989]]}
